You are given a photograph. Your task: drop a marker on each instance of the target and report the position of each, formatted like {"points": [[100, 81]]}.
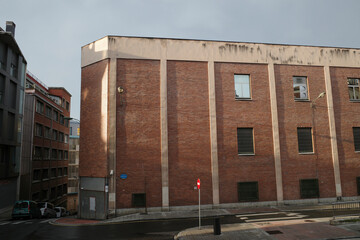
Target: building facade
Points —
{"points": [[261, 124], [45, 152], [12, 79], [73, 177]]}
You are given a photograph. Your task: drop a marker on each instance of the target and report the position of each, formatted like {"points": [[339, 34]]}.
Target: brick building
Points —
{"points": [[45, 148], [12, 79], [73, 172], [260, 124]]}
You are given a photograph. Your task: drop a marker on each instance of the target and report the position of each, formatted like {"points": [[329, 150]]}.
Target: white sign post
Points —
{"points": [[198, 186]]}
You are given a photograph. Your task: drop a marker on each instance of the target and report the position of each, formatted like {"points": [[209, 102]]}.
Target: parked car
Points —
{"points": [[47, 209], [60, 212], [25, 208]]}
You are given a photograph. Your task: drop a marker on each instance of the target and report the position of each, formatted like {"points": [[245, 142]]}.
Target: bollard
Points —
{"points": [[217, 226]]}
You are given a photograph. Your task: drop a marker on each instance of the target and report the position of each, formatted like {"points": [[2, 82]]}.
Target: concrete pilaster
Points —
{"points": [[276, 135], [333, 139]]}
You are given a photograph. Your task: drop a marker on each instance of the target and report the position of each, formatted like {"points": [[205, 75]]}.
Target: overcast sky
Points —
{"points": [[51, 33]]}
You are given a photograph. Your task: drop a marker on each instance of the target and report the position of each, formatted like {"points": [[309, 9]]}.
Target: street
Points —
{"points": [[156, 229]]}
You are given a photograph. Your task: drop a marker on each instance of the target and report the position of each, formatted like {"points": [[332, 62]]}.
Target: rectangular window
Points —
{"points": [[2, 88], [12, 95], [46, 153], [47, 132], [3, 55], [61, 137], [59, 191], [53, 172], [55, 116], [54, 135], [60, 155], [48, 111], [44, 195], [59, 172], [66, 155], [53, 154], [45, 174], [139, 199], [242, 86], [39, 107], [67, 106], [356, 133], [36, 175], [38, 130], [353, 88], [300, 88], [65, 171], [53, 193], [248, 191], [62, 119], [305, 140], [66, 139], [309, 188], [64, 189], [245, 141], [37, 153]]}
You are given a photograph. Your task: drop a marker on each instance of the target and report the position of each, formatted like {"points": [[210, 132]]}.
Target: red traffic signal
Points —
{"points": [[198, 183]]}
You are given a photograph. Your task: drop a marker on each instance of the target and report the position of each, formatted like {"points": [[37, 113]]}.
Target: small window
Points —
{"points": [[39, 107], [62, 119], [60, 172], [48, 111], [55, 116], [36, 175], [61, 137], [37, 153], [242, 86], [66, 155], [248, 191], [305, 140], [66, 139], [53, 154], [245, 141], [356, 133], [67, 106], [45, 174], [139, 199], [46, 153], [38, 130], [353, 88], [47, 132], [55, 135], [300, 88], [65, 171], [60, 155], [53, 172], [309, 188]]}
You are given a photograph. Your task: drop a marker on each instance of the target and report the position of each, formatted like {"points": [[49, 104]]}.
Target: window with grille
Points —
{"points": [[300, 88], [305, 140], [248, 191], [309, 188], [245, 141], [356, 133], [139, 199], [353, 89], [242, 86]]}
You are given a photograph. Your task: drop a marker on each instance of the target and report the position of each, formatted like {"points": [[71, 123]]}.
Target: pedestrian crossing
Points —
{"points": [[19, 222], [273, 216]]}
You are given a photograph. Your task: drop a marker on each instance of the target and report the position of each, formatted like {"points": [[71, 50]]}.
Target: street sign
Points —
{"points": [[198, 183], [123, 176]]}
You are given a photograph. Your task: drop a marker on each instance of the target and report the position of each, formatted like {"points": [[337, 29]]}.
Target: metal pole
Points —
{"points": [[199, 211]]}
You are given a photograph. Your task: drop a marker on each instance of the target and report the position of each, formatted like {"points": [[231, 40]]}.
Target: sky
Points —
{"points": [[50, 33]]}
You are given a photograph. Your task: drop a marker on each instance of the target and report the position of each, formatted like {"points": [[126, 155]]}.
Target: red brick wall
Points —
{"points": [[233, 114], [347, 116], [293, 114], [188, 131], [93, 153], [138, 150]]}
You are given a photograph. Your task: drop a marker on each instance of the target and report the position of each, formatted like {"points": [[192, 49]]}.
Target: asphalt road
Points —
{"points": [[160, 230]]}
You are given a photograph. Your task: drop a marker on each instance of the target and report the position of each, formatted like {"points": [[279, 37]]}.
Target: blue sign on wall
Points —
{"points": [[123, 176]]}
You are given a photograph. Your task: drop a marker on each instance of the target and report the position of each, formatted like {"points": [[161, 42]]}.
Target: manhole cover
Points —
{"points": [[274, 232]]}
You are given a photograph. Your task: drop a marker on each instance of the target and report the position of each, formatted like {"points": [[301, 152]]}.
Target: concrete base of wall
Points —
{"points": [[316, 201]]}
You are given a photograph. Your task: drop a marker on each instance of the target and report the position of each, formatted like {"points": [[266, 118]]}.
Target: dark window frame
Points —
{"points": [[248, 191], [245, 141], [305, 140], [308, 191]]}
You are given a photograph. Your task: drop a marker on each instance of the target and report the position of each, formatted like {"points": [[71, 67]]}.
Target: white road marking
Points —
{"points": [[274, 219], [4, 223], [19, 222], [259, 214]]}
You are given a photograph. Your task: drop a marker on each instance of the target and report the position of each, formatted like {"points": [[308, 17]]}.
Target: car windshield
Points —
{"points": [[41, 205], [21, 205]]}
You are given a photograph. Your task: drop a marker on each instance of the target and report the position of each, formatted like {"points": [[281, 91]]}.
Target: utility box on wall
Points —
{"points": [[93, 198]]}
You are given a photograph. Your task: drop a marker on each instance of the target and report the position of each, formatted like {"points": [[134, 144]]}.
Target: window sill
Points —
{"points": [[246, 154], [354, 100], [243, 99], [36, 181], [306, 153], [301, 100]]}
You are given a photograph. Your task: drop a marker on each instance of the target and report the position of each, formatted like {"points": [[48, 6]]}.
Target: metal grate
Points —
{"points": [[139, 199], [309, 188], [248, 191], [245, 141]]}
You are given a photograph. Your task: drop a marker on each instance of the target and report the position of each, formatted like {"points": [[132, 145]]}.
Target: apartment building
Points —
{"points": [[45, 149], [12, 80], [258, 124]]}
